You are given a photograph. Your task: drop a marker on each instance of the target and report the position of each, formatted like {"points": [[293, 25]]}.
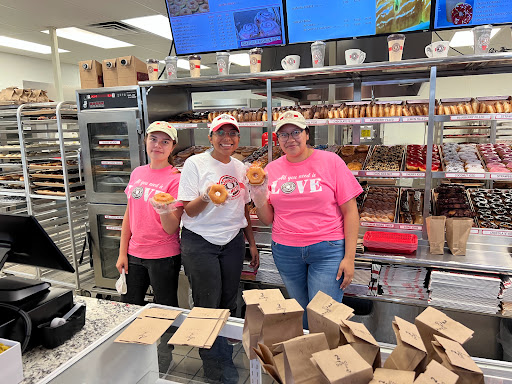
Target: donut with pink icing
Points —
{"points": [[462, 13]]}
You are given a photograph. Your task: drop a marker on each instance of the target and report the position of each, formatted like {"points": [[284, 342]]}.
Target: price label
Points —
{"points": [[501, 176], [111, 162], [496, 233], [382, 120], [503, 116], [414, 119], [366, 133], [109, 142], [465, 175], [382, 174], [252, 124], [411, 227], [317, 122], [181, 126], [113, 228], [114, 217], [470, 117], [355, 173], [475, 231], [345, 121], [377, 225], [413, 174]]}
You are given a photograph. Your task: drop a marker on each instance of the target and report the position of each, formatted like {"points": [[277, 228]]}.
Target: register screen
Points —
{"points": [[310, 20], [219, 25], [462, 13]]}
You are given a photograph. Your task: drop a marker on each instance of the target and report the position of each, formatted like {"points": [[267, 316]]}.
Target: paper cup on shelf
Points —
{"points": [[396, 46], [171, 67], [195, 65]]}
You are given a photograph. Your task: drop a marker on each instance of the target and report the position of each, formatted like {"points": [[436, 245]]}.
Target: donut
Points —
{"points": [[462, 13], [263, 16], [269, 28], [185, 12], [256, 174], [203, 8], [193, 5], [218, 194], [163, 198], [174, 10], [249, 31]]}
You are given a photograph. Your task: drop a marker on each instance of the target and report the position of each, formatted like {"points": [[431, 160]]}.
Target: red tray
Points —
{"points": [[390, 242]]}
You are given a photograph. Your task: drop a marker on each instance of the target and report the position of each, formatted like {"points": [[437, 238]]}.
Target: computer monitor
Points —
{"points": [[24, 241]]}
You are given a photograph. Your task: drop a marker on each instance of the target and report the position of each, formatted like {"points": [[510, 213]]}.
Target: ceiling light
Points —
{"points": [[241, 59], [183, 64], [27, 45], [157, 24], [90, 38], [465, 38]]}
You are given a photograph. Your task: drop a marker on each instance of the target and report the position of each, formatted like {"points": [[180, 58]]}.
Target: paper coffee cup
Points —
{"points": [[152, 65], [396, 46], [195, 65], [255, 57]]}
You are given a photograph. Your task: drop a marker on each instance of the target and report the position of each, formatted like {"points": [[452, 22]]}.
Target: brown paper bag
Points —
{"points": [[433, 322], [272, 364], [299, 369], [254, 317], [435, 232], [343, 365], [457, 233], [325, 315], [358, 336], [392, 376], [410, 352], [451, 355], [8, 94], [436, 374], [43, 97], [282, 320]]}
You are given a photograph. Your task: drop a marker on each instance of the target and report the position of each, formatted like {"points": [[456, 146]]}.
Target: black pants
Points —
{"points": [[213, 270], [161, 274]]}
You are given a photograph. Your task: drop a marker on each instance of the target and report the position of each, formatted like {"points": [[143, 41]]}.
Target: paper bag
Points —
{"points": [[451, 355], [436, 374], [254, 317], [435, 232], [343, 365], [433, 322], [131, 70], [8, 94], [91, 74], [272, 364], [109, 67], [392, 376], [325, 315], [410, 352], [299, 369], [358, 336], [457, 233], [282, 320]]}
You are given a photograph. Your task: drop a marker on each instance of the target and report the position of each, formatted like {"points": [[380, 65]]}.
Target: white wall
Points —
{"points": [[15, 69]]}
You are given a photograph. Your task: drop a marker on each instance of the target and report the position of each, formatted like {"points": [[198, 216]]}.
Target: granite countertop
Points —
{"points": [[100, 317]]}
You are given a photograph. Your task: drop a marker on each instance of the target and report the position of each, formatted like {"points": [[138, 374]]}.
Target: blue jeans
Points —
{"points": [[307, 270]]}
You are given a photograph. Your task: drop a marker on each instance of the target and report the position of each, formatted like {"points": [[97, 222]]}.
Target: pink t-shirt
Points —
{"points": [[306, 198], [149, 240]]}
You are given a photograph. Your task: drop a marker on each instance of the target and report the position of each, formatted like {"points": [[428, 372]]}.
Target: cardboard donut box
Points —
{"points": [[125, 70]]}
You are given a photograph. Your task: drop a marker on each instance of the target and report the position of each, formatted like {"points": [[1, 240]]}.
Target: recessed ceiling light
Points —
{"points": [[157, 24], [90, 38], [184, 64], [27, 45], [241, 59], [465, 38]]}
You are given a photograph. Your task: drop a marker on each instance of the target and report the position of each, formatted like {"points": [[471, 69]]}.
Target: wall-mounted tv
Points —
{"points": [[310, 20], [200, 26], [466, 13]]}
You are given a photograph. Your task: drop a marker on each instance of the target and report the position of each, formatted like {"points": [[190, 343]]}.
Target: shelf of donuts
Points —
{"points": [[411, 209], [261, 155], [12, 182], [385, 161], [480, 108], [461, 161], [180, 157], [53, 165], [452, 200], [497, 159], [379, 207], [492, 207]]}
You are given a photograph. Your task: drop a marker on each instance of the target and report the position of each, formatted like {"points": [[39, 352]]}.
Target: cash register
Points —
{"points": [[26, 303]]}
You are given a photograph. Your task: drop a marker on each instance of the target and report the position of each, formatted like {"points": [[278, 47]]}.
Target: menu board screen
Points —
{"points": [[463, 13], [218, 25], [328, 20]]}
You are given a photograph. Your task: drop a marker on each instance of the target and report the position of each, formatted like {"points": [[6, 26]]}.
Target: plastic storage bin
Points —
{"points": [[11, 371], [390, 242]]}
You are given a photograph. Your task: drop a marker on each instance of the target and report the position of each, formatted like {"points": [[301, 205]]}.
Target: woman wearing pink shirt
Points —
{"points": [[149, 250], [309, 197]]}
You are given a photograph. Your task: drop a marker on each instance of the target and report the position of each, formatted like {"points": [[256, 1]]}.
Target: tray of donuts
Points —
{"points": [[181, 156], [411, 206], [452, 200], [386, 158], [470, 106], [380, 205], [492, 207]]}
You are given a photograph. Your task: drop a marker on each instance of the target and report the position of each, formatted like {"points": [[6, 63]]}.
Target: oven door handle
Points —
{"points": [[79, 161]]}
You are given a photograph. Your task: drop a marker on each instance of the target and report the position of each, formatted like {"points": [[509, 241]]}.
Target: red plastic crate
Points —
{"points": [[390, 242]]}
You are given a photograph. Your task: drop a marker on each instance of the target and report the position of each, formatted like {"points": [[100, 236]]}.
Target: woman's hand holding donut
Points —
{"points": [[163, 209], [216, 193], [259, 193]]}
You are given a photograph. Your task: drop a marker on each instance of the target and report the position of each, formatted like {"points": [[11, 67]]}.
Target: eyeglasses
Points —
{"points": [[284, 135], [222, 133]]}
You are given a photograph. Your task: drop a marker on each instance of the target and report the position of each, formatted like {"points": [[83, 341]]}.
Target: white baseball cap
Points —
{"points": [[165, 127], [291, 117], [222, 120]]}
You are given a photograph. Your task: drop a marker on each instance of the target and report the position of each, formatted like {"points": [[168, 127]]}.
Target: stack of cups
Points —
{"points": [[171, 67], [223, 63], [318, 54], [482, 38], [255, 57], [152, 69], [195, 65], [396, 46]]}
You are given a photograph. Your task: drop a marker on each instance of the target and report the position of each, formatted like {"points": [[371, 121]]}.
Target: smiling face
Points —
{"points": [[159, 147], [225, 141], [296, 144]]}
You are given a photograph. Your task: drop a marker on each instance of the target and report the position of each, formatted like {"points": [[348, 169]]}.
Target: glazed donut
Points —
{"points": [[217, 194], [256, 174], [203, 8], [249, 31], [269, 28], [163, 198]]}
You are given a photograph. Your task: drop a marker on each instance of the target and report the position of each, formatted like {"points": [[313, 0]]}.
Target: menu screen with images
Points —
{"points": [[310, 20], [219, 25], [463, 13]]}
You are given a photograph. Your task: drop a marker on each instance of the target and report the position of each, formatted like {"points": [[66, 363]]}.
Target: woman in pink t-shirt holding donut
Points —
{"points": [[309, 197]]}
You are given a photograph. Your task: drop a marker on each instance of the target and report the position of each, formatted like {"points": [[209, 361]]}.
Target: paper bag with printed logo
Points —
{"points": [[410, 352], [282, 320], [325, 315], [433, 322], [273, 364], [358, 336], [435, 374], [392, 376], [254, 317], [343, 365], [451, 355]]}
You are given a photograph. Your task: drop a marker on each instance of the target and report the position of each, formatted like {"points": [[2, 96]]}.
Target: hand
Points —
{"points": [[346, 269], [259, 193], [206, 197], [122, 263], [255, 257], [163, 209]]}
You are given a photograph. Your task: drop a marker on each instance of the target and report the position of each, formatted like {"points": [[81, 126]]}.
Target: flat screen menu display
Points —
{"points": [[310, 20], [463, 13], [218, 25]]}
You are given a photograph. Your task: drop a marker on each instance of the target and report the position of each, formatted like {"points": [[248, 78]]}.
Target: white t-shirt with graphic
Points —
{"points": [[217, 224]]}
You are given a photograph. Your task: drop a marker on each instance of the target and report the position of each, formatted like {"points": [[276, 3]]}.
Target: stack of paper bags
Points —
{"points": [[358, 336], [436, 374], [457, 290], [148, 326], [200, 328], [403, 282], [282, 321], [392, 376], [506, 296]]}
